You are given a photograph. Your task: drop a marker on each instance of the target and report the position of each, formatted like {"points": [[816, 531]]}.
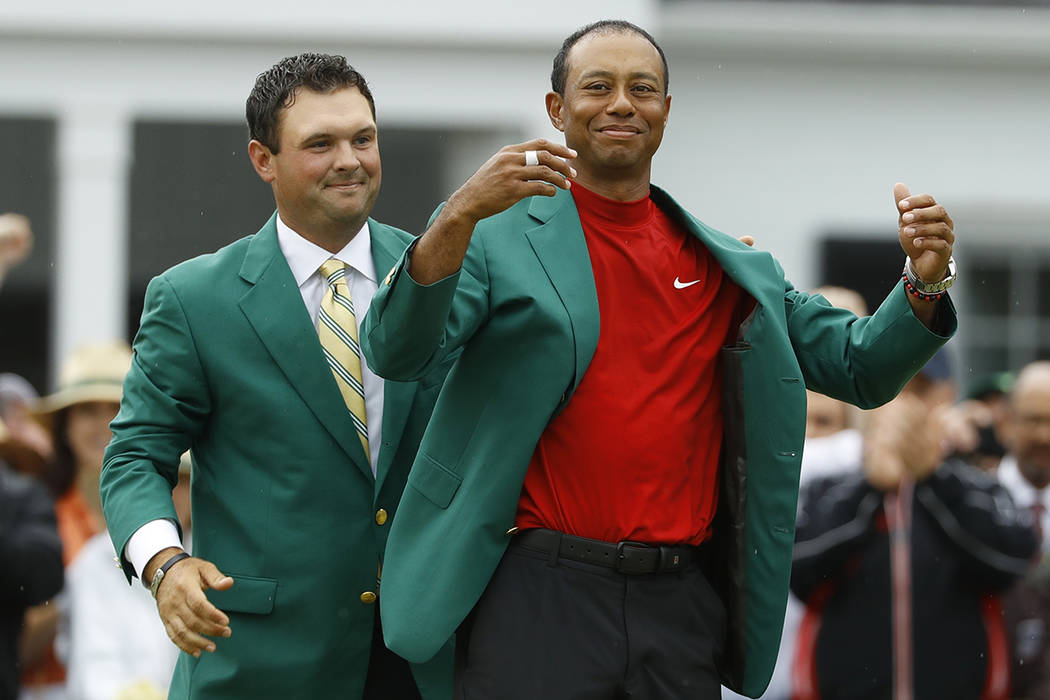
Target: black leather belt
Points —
{"points": [[626, 557]]}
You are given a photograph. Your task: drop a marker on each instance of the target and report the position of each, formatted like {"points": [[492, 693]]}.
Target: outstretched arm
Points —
{"points": [[994, 540], [836, 521]]}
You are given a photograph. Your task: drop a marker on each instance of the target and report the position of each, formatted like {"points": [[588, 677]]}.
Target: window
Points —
{"points": [[193, 189], [1002, 296], [1004, 302], [27, 186]]}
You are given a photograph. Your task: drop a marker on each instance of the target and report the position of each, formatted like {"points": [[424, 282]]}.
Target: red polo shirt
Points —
{"points": [[634, 454]]}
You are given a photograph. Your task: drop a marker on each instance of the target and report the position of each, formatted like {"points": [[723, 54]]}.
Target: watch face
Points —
{"points": [[157, 577], [155, 584], [930, 287]]}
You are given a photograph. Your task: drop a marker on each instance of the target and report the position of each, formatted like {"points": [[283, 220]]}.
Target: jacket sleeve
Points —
{"points": [[410, 328], [836, 520], [994, 540], [30, 550], [164, 407], [863, 361]]}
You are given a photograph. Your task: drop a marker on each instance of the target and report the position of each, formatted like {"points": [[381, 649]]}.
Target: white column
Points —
{"points": [[90, 292]]}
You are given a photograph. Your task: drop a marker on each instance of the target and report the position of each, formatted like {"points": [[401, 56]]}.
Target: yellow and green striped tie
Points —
{"points": [[337, 330]]}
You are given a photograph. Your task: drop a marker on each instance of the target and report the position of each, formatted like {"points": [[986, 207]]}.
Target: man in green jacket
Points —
{"points": [[603, 503], [247, 358]]}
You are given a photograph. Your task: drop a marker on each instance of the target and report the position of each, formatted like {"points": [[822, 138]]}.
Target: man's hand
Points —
{"points": [[16, 240], [187, 614], [926, 233], [505, 179], [902, 438], [923, 451], [963, 423], [883, 466], [501, 182]]}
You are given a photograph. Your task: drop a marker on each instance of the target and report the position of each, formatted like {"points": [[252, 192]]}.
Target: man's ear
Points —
{"points": [[262, 160], [555, 103]]}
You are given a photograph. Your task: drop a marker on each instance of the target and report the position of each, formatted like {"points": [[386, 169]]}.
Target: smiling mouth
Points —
{"points": [[620, 132]]}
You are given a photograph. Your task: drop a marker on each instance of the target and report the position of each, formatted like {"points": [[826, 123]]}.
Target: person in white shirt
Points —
{"points": [[1025, 473], [113, 643], [1025, 470]]}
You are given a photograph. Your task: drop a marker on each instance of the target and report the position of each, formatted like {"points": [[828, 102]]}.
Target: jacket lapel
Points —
{"points": [[560, 245], [746, 266], [274, 308], [562, 251], [387, 248]]}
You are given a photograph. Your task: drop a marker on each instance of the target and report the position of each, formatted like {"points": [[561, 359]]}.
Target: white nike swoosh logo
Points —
{"points": [[683, 285]]}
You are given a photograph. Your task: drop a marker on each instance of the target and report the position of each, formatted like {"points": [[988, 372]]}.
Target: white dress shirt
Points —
{"points": [[114, 642], [832, 455], [304, 259], [1024, 494]]}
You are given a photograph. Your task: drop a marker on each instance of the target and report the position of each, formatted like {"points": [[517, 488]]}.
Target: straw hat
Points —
{"points": [[93, 373]]}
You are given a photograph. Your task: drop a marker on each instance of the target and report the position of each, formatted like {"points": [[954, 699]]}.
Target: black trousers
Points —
{"points": [[389, 676], [556, 629]]}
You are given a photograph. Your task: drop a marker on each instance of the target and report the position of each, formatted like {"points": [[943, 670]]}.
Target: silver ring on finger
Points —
{"points": [[531, 158]]}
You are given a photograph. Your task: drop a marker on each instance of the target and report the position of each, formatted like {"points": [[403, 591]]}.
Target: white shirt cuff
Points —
{"points": [[149, 539]]}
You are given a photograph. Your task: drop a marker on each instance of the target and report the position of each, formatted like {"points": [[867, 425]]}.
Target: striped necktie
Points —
{"points": [[337, 330]]}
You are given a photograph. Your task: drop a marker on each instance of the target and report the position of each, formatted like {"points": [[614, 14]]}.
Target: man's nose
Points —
{"points": [[620, 102], [345, 156]]}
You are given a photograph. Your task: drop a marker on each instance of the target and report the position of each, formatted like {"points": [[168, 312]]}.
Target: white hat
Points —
{"points": [[93, 373]]}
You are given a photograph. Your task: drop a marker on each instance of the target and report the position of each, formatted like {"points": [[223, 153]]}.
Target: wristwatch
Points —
{"points": [[927, 288], [154, 583]]}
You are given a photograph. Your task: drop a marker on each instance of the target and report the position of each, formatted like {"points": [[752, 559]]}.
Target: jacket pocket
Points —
{"points": [[434, 481], [249, 594]]}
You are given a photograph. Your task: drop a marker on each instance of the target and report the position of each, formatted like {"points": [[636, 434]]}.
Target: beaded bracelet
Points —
{"points": [[921, 295], [925, 290]]}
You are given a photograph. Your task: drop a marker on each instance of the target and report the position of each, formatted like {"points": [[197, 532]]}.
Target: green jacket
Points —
{"points": [[525, 312], [228, 364]]}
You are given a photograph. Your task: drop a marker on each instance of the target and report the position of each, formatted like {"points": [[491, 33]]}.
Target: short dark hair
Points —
{"points": [[60, 475], [605, 26], [276, 88]]}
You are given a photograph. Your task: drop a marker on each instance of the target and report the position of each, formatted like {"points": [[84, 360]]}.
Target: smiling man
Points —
{"points": [[248, 358], [604, 501], [1026, 469], [1025, 472]]}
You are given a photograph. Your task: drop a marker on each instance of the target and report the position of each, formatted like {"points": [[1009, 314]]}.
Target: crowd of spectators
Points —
{"points": [[71, 627], [923, 572]]}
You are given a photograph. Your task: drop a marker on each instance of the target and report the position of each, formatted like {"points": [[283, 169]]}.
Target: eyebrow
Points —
{"points": [[609, 74], [328, 135]]}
